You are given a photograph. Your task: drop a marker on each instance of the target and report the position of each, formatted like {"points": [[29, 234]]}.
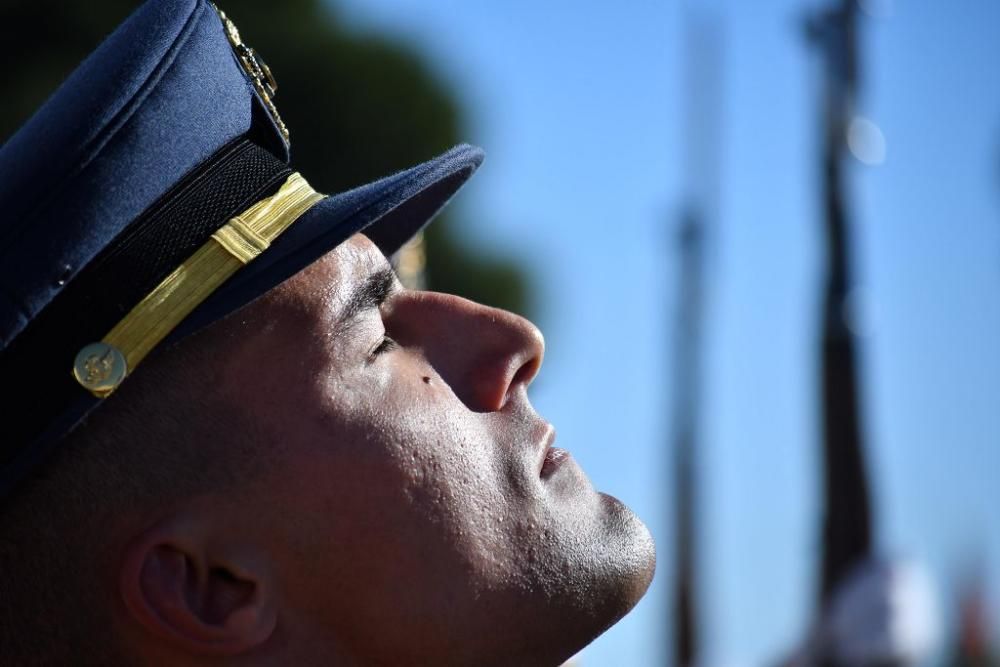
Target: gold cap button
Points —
{"points": [[100, 368]]}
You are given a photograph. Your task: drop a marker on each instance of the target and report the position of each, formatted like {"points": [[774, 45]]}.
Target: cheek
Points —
{"points": [[380, 502], [394, 477], [448, 467], [389, 447], [455, 483], [406, 418]]}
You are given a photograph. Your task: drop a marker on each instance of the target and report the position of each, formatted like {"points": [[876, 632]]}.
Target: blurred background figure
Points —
{"points": [[767, 268], [880, 615], [970, 645]]}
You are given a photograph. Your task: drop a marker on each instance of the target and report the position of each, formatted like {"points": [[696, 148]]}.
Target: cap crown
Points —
{"points": [[160, 95]]}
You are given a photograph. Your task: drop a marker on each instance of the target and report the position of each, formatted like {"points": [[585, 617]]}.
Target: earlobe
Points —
{"points": [[197, 601]]}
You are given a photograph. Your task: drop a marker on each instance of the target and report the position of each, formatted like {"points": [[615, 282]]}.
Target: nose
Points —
{"points": [[484, 354]]}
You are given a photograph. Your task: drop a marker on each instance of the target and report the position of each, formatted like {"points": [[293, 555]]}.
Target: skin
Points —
{"points": [[406, 514]]}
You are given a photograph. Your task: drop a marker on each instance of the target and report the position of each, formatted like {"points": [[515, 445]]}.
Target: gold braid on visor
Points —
{"points": [[101, 367]]}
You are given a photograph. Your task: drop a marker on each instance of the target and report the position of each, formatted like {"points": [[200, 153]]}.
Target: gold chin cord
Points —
{"points": [[100, 367]]}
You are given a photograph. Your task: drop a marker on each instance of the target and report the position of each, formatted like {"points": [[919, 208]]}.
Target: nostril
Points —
{"points": [[526, 373], [532, 351]]}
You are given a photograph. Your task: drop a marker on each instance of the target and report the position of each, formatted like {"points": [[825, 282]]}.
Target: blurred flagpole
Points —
{"points": [[847, 514], [702, 62], [685, 608]]}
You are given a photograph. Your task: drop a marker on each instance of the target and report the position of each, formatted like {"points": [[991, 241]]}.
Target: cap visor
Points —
{"points": [[390, 211]]}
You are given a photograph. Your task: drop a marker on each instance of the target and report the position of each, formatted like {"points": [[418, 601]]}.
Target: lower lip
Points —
{"points": [[554, 459]]}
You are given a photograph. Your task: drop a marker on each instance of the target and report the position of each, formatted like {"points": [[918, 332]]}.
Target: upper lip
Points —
{"points": [[542, 434], [545, 443]]}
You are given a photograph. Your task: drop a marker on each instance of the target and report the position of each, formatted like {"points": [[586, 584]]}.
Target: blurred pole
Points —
{"points": [[685, 650], [847, 520], [702, 108]]}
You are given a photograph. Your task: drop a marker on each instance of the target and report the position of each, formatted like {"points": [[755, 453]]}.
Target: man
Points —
{"points": [[234, 437]]}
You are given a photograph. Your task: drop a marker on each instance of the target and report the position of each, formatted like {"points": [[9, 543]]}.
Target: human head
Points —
{"points": [[388, 505], [286, 485]]}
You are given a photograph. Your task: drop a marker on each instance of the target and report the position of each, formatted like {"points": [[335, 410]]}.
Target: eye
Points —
{"points": [[385, 345]]}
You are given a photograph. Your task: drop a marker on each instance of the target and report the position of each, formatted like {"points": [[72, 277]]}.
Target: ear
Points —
{"points": [[214, 601]]}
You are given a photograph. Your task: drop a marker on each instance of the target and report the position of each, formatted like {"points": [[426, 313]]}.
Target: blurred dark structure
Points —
{"points": [[685, 608], [702, 105], [358, 106], [847, 513], [971, 646]]}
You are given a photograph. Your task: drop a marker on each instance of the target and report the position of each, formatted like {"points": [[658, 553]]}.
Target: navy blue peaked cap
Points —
{"points": [[161, 148]]}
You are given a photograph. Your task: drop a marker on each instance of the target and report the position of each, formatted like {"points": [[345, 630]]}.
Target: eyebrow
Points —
{"points": [[371, 293]]}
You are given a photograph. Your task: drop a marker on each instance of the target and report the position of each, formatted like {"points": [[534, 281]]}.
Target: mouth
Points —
{"points": [[552, 457]]}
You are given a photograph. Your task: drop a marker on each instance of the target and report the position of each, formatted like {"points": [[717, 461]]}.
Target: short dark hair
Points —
{"points": [[165, 435]]}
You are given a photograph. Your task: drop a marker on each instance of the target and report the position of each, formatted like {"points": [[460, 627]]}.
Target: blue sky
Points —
{"points": [[580, 108]]}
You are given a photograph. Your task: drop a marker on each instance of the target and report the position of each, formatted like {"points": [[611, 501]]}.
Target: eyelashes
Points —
{"points": [[385, 345]]}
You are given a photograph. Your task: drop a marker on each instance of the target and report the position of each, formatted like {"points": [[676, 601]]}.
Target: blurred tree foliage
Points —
{"points": [[358, 106]]}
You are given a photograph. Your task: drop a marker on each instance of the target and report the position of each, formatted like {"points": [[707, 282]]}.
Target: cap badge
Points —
{"points": [[256, 69]]}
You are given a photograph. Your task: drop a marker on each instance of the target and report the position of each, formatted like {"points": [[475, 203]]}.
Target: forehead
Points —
{"points": [[328, 283], [291, 325]]}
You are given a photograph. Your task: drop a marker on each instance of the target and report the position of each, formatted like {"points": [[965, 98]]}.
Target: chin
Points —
{"points": [[631, 558], [598, 568], [620, 574]]}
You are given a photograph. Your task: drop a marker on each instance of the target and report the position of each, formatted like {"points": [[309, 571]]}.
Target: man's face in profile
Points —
{"points": [[415, 511]]}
